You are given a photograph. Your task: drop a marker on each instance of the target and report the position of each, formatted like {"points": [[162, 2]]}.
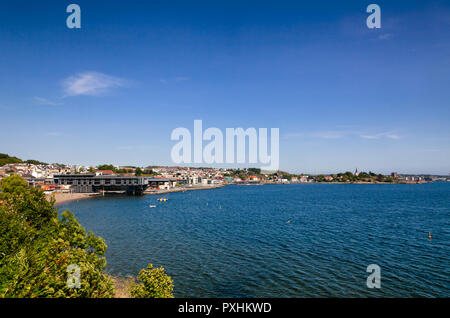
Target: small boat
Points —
{"points": [[152, 206], [162, 199]]}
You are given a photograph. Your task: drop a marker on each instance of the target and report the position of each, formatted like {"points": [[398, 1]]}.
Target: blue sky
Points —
{"points": [[343, 96]]}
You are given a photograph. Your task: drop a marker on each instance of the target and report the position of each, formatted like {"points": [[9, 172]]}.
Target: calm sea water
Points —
{"points": [[305, 240]]}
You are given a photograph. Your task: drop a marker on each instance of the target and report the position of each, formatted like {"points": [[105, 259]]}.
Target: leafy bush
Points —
{"points": [[5, 159], [154, 283], [37, 246]]}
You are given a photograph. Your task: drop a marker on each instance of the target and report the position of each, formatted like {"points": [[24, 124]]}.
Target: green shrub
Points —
{"points": [[154, 283], [37, 246]]}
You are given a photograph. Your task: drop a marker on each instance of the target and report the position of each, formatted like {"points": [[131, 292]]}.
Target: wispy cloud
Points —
{"points": [[91, 83], [331, 134], [45, 101], [176, 79], [338, 134], [182, 78], [389, 135], [385, 36]]}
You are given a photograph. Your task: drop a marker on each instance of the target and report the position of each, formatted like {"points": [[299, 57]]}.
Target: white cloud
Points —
{"points": [[338, 134], [91, 83], [381, 135], [386, 36], [45, 101], [182, 78], [328, 134], [175, 79]]}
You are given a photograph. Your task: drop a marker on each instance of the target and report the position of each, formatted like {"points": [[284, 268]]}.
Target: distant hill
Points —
{"points": [[5, 159]]}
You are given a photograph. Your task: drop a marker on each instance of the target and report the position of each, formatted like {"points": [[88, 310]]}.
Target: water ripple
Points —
{"points": [[313, 240]]}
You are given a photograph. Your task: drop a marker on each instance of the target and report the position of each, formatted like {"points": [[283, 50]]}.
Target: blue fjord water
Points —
{"points": [[304, 240]]}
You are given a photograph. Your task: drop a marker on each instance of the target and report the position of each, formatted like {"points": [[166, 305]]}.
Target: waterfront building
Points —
{"points": [[89, 183]]}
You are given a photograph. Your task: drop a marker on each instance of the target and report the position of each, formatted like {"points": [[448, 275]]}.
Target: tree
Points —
{"points": [[256, 171], [106, 167], [36, 162], [138, 171], [363, 175], [154, 283], [37, 247], [320, 178], [14, 184], [5, 159]]}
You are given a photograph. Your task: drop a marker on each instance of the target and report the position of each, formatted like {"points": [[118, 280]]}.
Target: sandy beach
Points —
{"points": [[66, 197]]}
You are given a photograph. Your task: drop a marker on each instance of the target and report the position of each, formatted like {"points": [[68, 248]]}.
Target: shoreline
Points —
{"points": [[156, 192], [68, 197], [337, 182]]}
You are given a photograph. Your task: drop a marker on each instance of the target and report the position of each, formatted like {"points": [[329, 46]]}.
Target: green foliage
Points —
{"points": [[149, 172], [363, 175], [349, 177], [154, 283], [256, 171], [36, 248], [36, 162], [138, 172], [106, 167], [14, 184], [5, 159], [320, 178]]}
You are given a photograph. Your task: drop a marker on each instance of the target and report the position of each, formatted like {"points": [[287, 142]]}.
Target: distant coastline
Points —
{"points": [[61, 198]]}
